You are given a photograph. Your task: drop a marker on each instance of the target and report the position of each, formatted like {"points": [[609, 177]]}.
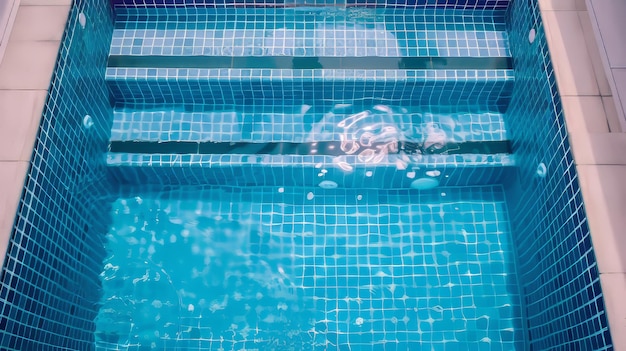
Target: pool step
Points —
{"points": [[301, 124], [320, 32], [305, 145], [413, 55], [189, 81], [389, 172], [146, 87]]}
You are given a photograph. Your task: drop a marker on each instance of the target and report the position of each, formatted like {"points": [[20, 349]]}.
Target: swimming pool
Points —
{"points": [[224, 217]]}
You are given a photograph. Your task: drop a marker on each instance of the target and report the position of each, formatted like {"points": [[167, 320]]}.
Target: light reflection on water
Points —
{"points": [[373, 134], [183, 275]]}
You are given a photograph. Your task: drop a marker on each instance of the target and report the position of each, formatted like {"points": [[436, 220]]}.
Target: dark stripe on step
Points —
{"points": [[331, 148], [292, 62]]}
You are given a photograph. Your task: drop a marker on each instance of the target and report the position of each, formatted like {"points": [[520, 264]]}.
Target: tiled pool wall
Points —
{"points": [[49, 286], [556, 262]]}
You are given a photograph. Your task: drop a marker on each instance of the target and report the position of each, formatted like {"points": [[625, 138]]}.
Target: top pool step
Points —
{"points": [[325, 32], [448, 4]]}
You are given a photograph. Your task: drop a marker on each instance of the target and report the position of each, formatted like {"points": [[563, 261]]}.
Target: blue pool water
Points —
{"points": [[170, 247], [311, 269]]}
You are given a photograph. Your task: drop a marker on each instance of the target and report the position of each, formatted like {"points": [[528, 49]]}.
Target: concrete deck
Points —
{"points": [[591, 79]]}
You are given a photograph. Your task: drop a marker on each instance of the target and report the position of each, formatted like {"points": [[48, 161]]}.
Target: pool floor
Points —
{"points": [[270, 268]]}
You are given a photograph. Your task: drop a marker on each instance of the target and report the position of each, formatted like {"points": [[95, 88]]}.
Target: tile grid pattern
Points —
{"points": [[489, 89], [319, 32], [557, 266], [48, 284], [348, 171], [386, 269], [235, 126]]}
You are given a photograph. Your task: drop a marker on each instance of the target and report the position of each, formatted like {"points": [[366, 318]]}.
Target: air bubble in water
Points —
{"points": [[82, 20], [87, 122], [310, 196], [359, 321], [328, 184], [424, 183], [542, 170], [532, 35]]}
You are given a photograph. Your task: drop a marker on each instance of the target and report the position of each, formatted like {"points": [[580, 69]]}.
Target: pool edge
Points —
{"points": [[23, 96], [597, 148]]}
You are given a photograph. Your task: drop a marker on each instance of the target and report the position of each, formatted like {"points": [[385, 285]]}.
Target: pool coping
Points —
{"points": [[26, 69], [597, 143], [590, 111]]}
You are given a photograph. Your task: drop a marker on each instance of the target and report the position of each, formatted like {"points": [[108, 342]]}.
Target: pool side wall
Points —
{"points": [[49, 284], [557, 266]]}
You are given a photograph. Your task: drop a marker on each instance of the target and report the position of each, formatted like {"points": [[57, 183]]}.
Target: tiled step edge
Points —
{"points": [[298, 126], [347, 171], [324, 31], [136, 86]]}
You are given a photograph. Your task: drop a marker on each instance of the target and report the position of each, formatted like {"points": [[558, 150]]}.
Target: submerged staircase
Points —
{"points": [[258, 94], [371, 97]]}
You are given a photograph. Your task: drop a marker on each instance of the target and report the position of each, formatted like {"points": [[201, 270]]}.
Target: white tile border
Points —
{"points": [[594, 128], [25, 74]]}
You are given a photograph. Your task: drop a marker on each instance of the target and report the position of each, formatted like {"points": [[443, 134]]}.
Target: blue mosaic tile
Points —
{"points": [[476, 89], [49, 286], [347, 171], [556, 262], [336, 269], [320, 32], [300, 124]]}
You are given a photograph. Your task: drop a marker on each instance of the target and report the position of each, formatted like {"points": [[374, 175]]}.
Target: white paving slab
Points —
{"points": [[607, 18], [25, 72]]}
